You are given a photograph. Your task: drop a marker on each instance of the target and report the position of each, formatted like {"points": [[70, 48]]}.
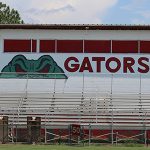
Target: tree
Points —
{"points": [[9, 16]]}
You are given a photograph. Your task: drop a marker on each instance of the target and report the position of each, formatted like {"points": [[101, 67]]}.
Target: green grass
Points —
{"points": [[63, 147]]}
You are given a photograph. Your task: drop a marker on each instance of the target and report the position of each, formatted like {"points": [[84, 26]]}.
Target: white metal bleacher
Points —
{"points": [[106, 101]]}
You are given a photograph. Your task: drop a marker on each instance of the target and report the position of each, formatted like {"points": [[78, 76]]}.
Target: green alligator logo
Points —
{"points": [[44, 67]]}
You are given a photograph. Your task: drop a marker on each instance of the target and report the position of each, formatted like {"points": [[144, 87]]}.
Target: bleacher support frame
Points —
{"points": [[103, 101]]}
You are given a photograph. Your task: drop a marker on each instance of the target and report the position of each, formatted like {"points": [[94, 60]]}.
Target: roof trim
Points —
{"points": [[74, 27]]}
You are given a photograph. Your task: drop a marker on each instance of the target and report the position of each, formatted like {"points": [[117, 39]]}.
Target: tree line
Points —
{"points": [[9, 16]]}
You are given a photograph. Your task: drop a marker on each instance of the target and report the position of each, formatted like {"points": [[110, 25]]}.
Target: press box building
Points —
{"points": [[95, 75]]}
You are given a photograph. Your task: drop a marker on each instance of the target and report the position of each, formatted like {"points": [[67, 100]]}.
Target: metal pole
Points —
{"points": [[140, 101], [59, 141], [82, 98], [89, 134], [116, 138], [16, 134], [70, 136], [26, 87], [12, 133], [83, 85], [45, 135], [3, 131], [145, 138], [142, 117], [55, 84], [112, 115]]}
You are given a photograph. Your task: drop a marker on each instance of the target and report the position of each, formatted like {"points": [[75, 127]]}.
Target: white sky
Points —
{"points": [[62, 11], [83, 11]]}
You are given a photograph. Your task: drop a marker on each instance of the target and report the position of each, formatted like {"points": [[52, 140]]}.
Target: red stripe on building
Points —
{"points": [[47, 46], [17, 45], [97, 46], [70, 46], [76, 46], [124, 46], [144, 46]]}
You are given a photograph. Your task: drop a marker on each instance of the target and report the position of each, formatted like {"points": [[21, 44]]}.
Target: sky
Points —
{"points": [[82, 11]]}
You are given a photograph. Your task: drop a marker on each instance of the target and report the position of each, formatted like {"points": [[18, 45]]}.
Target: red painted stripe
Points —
{"points": [[47, 46], [97, 46], [145, 46], [17, 45], [76, 46], [124, 46], [70, 46]]}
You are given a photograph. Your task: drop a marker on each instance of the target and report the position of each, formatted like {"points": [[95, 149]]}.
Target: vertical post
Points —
{"points": [[145, 135], [140, 101], [112, 115], [89, 134], [54, 91], [82, 134], [140, 107], [45, 134], [59, 137], [70, 128], [96, 107], [13, 128], [16, 134], [26, 88], [68, 134], [141, 115], [78, 139], [116, 138], [82, 98], [3, 131], [12, 133], [55, 83], [83, 85], [147, 138]]}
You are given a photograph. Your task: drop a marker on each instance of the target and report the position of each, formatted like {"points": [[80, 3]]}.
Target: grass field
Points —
{"points": [[62, 147]]}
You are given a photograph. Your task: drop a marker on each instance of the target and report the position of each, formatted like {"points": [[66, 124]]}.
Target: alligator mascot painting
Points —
{"points": [[21, 67]]}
